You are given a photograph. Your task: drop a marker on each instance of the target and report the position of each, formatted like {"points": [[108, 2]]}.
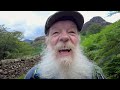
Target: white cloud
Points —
{"points": [[24, 21], [89, 14], [113, 18], [12, 17]]}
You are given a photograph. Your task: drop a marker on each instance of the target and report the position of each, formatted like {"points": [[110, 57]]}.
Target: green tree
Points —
{"points": [[11, 46]]}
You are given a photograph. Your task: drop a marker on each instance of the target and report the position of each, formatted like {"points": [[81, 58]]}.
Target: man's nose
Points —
{"points": [[64, 37]]}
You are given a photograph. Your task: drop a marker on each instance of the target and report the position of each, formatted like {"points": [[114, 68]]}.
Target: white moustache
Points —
{"points": [[67, 46]]}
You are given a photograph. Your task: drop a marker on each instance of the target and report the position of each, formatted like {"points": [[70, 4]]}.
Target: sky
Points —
{"points": [[31, 23]]}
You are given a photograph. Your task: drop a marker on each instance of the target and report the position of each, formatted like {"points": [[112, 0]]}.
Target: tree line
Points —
{"points": [[12, 46]]}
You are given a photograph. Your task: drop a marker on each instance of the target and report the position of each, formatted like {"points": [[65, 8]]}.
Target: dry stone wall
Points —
{"points": [[13, 68]]}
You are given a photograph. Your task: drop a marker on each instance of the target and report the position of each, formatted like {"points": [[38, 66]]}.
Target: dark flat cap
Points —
{"points": [[74, 16]]}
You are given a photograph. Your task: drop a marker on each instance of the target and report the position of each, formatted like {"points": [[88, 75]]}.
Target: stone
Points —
{"points": [[5, 72], [12, 68], [1, 71], [11, 71]]}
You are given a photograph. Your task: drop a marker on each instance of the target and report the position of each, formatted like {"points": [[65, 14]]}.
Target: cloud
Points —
{"points": [[34, 33], [25, 21], [113, 18], [90, 14]]}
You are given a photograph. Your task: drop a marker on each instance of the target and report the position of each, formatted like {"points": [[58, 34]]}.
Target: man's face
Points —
{"points": [[63, 57], [63, 38]]}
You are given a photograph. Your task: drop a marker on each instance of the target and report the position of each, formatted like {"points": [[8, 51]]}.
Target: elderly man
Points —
{"points": [[63, 57]]}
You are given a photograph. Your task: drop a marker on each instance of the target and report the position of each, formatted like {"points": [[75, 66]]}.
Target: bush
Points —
{"points": [[104, 48]]}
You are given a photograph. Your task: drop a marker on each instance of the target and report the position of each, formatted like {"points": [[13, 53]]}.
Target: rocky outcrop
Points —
{"points": [[13, 68], [98, 20], [40, 39]]}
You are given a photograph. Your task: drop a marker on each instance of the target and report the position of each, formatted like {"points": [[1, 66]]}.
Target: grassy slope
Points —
{"points": [[104, 48]]}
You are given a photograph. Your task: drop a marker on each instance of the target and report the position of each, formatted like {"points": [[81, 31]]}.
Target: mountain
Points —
{"points": [[40, 39], [94, 24], [28, 41], [39, 44]]}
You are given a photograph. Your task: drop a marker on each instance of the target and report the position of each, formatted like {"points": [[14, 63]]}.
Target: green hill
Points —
{"points": [[104, 49], [39, 45]]}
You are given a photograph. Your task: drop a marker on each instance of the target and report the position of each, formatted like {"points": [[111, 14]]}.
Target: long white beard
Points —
{"points": [[78, 67]]}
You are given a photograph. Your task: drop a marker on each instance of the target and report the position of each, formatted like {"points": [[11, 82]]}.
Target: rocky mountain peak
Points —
{"points": [[97, 20]]}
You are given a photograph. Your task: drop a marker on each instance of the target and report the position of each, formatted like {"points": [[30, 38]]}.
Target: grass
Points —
{"points": [[22, 76]]}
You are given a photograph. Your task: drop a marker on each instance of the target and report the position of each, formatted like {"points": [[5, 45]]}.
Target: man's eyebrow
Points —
{"points": [[53, 27]]}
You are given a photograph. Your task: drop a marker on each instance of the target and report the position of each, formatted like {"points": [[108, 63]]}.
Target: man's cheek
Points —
{"points": [[75, 41], [53, 42]]}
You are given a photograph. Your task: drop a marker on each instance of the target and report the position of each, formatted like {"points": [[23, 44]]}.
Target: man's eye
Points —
{"points": [[71, 32], [55, 32]]}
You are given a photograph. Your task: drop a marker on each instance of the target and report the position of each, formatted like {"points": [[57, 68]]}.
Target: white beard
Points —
{"points": [[78, 67]]}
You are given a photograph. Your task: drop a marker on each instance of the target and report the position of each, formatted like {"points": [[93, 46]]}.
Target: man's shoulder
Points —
{"points": [[98, 73], [33, 73]]}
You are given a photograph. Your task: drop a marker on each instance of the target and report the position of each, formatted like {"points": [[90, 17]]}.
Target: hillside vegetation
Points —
{"points": [[12, 47], [104, 49]]}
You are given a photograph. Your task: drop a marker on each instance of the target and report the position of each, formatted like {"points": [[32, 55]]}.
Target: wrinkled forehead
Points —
{"points": [[64, 24]]}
